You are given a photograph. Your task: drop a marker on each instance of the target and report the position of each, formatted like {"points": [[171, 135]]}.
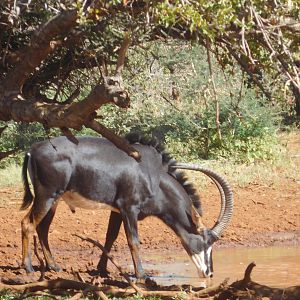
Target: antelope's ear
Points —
{"points": [[197, 220]]}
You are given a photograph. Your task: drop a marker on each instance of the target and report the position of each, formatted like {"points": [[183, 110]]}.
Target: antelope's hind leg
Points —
{"points": [[29, 223], [43, 232], [27, 232]]}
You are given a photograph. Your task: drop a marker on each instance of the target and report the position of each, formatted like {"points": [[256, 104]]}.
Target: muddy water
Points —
{"points": [[275, 266]]}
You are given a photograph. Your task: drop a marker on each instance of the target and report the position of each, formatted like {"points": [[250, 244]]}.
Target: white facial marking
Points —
{"points": [[209, 252], [202, 262], [199, 261]]}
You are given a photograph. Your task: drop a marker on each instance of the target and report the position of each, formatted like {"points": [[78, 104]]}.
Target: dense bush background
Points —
{"points": [[185, 121]]}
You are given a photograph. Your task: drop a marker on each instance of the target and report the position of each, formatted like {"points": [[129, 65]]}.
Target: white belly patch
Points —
{"points": [[74, 199]]}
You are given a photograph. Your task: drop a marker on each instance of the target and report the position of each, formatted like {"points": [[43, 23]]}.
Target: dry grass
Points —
{"points": [[262, 173], [287, 165], [10, 176]]}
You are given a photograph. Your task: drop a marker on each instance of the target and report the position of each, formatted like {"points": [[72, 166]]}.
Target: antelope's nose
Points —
{"points": [[208, 274]]}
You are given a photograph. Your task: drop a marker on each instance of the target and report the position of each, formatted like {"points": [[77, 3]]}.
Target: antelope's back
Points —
{"points": [[94, 168]]}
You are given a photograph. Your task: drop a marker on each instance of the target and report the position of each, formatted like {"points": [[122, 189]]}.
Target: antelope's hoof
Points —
{"points": [[29, 269], [100, 272], [150, 282], [54, 267], [142, 279]]}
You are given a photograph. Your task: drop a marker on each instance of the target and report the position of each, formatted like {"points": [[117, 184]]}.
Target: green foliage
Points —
{"points": [[230, 29], [18, 135], [10, 296], [187, 125], [21, 136], [248, 122]]}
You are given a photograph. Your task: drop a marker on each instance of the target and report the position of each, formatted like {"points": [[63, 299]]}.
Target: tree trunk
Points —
{"points": [[296, 92]]}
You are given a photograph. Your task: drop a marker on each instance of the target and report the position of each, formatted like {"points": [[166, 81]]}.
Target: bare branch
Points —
{"points": [[72, 97], [54, 284], [115, 139], [244, 66], [217, 104], [122, 54], [66, 65]]}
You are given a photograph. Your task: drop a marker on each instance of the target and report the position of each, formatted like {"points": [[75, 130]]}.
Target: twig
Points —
{"points": [[120, 292], [97, 293], [245, 45], [133, 285], [266, 37], [217, 104], [244, 66], [285, 65], [101, 295], [77, 275], [73, 96], [170, 102]]}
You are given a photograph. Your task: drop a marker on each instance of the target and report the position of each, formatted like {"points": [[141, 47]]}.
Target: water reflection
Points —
{"points": [[275, 266]]}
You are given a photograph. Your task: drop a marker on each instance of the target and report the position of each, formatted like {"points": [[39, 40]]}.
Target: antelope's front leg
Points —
{"points": [[130, 225], [113, 229]]}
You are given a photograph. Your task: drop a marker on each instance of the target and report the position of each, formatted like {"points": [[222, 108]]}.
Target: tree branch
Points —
{"points": [[68, 64], [133, 285], [7, 153], [72, 115], [41, 44], [115, 139], [244, 66], [122, 54]]}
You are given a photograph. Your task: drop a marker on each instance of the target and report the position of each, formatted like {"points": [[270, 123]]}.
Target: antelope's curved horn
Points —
{"points": [[225, 192], [222, 195]]}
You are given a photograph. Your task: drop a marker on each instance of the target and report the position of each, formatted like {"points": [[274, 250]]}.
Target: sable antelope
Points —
{"points": [[96, 174]]}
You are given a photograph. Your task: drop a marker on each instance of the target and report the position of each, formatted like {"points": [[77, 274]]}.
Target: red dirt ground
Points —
{"points": [[263, 216]]}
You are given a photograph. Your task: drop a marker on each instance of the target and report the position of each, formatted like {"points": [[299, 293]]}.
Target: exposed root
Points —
{"points": [[247, 276]]}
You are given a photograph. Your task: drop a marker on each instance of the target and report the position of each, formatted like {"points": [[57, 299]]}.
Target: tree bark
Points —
{"points": [[296, 92], [40, 46]]}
